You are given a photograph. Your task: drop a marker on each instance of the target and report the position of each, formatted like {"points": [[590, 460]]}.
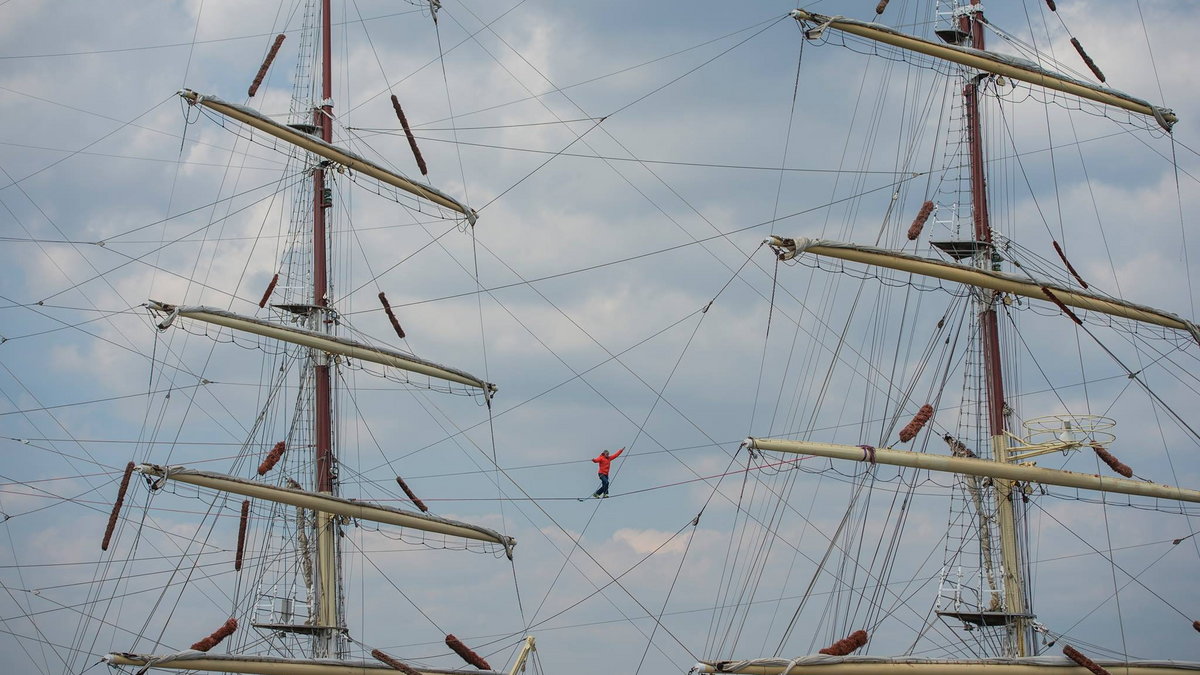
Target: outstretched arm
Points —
{"points": [[616, 454]]}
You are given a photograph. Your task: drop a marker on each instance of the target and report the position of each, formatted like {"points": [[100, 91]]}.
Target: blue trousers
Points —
{"points": [[603, 485]]}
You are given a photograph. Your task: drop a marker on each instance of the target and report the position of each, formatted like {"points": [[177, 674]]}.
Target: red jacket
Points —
{"points": [[604, 462]]}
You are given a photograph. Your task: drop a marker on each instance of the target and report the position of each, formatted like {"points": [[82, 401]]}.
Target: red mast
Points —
{"points": [[323, 120], [971, 23], [326, 641]]}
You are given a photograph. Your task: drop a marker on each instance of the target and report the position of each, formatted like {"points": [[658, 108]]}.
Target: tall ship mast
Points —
{"points": [[300, 614], [997, 607]]}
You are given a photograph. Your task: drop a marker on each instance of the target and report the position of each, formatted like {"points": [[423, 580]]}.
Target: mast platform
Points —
{"points": [[982, 618]]}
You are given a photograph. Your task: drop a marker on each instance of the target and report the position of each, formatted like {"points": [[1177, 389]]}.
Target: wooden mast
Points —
{"points": [[971, 22], [326, 643]]}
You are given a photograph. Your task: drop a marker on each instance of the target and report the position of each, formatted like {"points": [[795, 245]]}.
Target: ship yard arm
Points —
{"points": [[1025, 473], [326, 503], [991, 62], [322, 341], [1001, 282], [192, 660], [321, 148], [867, 665]]}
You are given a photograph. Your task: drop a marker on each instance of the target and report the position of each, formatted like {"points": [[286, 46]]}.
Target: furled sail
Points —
{"points": [[327, 343], [973, 276], [327, 503], [264, 665], [992, 62], [976, 467], [329, 151], [873, 665]]}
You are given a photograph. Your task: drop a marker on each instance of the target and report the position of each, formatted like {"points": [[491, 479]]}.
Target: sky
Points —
{"points": [[626, 161]]}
